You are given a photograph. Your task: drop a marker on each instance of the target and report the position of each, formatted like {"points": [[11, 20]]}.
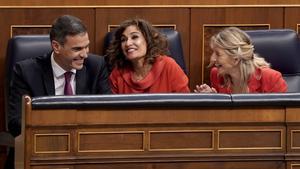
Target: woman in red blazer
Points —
{"points": [[237, 69], [138, 54]]}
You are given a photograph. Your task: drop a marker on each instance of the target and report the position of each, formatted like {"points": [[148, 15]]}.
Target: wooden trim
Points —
{"points": [[149, 6], [182, 131], [26, 26], [110, 132], [51, 134], [252, 148]]}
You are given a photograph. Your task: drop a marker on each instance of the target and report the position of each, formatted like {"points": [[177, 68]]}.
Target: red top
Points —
{"points": [[264, 80], [165, 76]]}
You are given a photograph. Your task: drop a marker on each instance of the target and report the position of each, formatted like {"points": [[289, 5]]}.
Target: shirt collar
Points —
{"points": [[58, 70]]}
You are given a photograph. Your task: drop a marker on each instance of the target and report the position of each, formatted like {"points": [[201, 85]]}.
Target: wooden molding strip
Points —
{"points": [[149, 6]]}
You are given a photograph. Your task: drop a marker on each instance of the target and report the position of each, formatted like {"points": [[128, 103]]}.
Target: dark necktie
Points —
{"points": [[68, 89]]}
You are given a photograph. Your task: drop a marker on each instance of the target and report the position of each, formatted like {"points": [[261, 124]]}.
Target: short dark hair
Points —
{"points": [[66, 25], [157, 43]]}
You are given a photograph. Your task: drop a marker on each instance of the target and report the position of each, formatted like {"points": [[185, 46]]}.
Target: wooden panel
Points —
{"points": [[33, 17], [157, 16], [185, 138], [29, 29], [153, 116], [292, 114], [295, 139], [158, 26], [295, 166], [223, 17], [59, 143], [54, 167], [292, 18], [241, 139], [181, 140], [110, 141], [143, 3]]}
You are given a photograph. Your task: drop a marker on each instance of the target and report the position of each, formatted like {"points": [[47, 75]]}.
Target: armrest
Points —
{"points": [[132, 100], [269, 99]]}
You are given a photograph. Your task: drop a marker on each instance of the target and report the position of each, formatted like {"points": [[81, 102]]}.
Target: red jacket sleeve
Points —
{"points": [[113, 81], [178, 78], [214, 80], [273, 82]]}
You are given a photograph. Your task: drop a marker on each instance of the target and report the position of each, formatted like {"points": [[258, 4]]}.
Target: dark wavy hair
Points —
{"points": [[157, 43]]}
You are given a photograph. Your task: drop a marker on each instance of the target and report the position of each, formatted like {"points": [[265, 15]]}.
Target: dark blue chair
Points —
{"points": [[22, 47], [19, 48], [280, 47]]}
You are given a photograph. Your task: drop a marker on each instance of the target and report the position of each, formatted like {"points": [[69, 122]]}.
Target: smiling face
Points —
{"points": [[72, 53], [133, 43], [226, 64]]}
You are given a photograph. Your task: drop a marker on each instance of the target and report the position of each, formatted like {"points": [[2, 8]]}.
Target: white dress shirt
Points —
{"points": [[59, 78]]}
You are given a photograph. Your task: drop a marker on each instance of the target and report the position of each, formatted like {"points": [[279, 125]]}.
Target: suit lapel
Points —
{"points": [[49, 79], [81, 81], [48, 76]]}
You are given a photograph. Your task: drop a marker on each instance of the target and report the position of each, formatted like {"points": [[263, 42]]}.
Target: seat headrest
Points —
{"points": [[19, 48], [175, 47], [280, 47], [26, 46]]}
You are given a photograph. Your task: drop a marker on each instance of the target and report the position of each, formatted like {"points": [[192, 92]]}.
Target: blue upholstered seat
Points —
{"points": [[22, 47], [280, 47], [25, 46], [19, 48]]}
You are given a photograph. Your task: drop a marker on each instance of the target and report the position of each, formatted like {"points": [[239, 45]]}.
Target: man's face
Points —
{"points": [[72, 53]]}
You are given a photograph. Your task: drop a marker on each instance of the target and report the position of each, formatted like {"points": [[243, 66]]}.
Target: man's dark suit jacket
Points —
{"points": [[34, 77]]}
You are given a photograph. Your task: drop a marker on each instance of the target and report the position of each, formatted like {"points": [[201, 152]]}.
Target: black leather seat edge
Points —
{"points": [[133, 100], [166, 100], [263, 99]]}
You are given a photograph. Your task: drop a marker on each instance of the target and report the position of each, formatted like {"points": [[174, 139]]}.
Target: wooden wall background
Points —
{"points": [[196, 21]]}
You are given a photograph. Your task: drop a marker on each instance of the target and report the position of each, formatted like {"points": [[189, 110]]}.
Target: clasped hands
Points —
{"points": [[204, 88]]}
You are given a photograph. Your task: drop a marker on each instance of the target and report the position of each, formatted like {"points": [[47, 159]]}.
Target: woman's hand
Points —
{"points": [[204, 88]]}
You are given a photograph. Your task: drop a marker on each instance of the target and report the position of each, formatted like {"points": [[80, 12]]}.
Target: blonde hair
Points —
{"points": [[237, 43]]}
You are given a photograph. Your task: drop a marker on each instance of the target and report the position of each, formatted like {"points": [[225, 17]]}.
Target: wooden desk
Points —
{"points": [[78, 134]]}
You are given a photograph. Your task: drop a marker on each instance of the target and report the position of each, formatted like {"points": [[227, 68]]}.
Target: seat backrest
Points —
{"points": [[174, 41], [280, 47], [19, 48]]}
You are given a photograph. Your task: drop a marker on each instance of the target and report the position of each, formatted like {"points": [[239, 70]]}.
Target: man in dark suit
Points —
{"points": [[45, 75]]}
